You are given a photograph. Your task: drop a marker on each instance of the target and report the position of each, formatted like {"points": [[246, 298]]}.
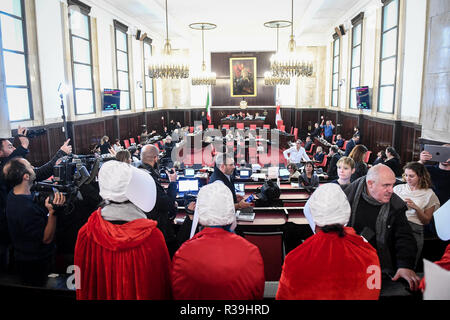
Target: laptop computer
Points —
{"points": [[284, 173], [189, 172], [245, 173], [190, 186]]}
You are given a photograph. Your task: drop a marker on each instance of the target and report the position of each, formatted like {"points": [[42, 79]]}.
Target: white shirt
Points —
{"points": [[295, 155]]}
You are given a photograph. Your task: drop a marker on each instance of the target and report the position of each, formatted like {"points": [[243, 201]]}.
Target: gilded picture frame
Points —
{"points": [[243, 77]]}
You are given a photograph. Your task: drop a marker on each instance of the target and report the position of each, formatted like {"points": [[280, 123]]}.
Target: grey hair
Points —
{"points": [[221, 158], [374, 172]]}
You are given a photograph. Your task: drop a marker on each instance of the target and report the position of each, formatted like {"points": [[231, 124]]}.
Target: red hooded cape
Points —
{"points": [[128, 261], [327, 267], [217, 265], [443, 263]]}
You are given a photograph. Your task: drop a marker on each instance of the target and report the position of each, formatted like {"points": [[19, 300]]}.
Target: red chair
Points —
{"points": [[126, 143], [323, 164], [191, 129], [271, 246], [345, 145], [332, 140], [211, 126], [226, 126], [266, 126], [132, 141], [310, 151], [139, 139], [296, 133], [253, 127], [292, 129], [240, 125], [157, 146], [282, 128], [367, 156]]}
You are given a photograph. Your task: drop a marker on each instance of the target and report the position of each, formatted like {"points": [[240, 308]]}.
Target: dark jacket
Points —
{"points": [[350, 145], [26, 223], [400, 244], [332, 168], [218, 175], [394, 164], [164, 209], [360, 170]]}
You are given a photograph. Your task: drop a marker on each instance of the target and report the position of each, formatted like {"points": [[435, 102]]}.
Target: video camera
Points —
{"points": [[35, 133], [73, 172]]}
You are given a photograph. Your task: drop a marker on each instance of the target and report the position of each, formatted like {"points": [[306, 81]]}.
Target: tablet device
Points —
{"points": [[438, 153]]}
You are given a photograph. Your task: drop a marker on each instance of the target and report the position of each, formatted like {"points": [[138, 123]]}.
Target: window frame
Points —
{"points": [[381, 59], [335, 38], [118, 26], [357, 21], [148, 41], [26, 59], [84, 10]]}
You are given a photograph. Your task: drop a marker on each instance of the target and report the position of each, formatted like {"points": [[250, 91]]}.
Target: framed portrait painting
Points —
{"points": [[243, 77]]}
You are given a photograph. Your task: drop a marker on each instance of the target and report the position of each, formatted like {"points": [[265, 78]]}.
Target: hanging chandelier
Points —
{"points": [[203, 78], [168, 65], [290, 64], [269, 78]]}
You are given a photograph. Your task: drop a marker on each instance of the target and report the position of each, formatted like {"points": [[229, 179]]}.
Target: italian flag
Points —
{"points": [[208, 108]]}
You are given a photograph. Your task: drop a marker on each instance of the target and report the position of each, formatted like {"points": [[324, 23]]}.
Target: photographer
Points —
{"points": [[8, 152], [31, 226], [165, 210]]}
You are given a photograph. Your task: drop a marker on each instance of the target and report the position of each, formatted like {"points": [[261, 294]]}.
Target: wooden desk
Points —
{"points": [[247, 123]]}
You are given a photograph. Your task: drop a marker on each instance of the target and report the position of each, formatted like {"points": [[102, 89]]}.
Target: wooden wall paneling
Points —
{"points": [[309, 118], [377, 135], [348, 122], [87, 135]]}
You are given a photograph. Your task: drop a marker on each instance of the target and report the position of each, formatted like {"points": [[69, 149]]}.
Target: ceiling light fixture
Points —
{"points": [[269, 78], [204, 78], [291, 64], [167, 65]]}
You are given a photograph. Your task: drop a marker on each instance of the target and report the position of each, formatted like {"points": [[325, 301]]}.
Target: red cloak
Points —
{"points": [[126, 262], [329, 267], [217, 265]]}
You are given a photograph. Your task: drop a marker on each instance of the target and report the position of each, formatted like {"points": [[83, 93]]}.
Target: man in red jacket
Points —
{"points": [[335, 263], [120, 254], [217, 264]]}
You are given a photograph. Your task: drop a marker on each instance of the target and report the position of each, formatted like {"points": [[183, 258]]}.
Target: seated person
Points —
{"points": [[31, 225], [217, 264], [358, 154], [308, 143], [334, 157], [294, 174], [345, 169], [105, 145], [333, 264], [120, 253], [117, 146], [420, 199], [319, 155], [339, 141], [308, 179], [381, 158], [124, 156]]}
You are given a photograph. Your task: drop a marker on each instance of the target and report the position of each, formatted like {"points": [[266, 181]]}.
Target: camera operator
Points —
{"points": [[31, 226], [164, 211], [8, 152]]}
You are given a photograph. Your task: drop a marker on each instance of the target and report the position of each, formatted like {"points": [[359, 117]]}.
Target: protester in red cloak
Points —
{"points": [[216, 264], [335, 263], [120, 254]]}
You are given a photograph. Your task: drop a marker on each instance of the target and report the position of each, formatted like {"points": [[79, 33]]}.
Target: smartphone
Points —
{"points": [[438, 153], [250, 199]]}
